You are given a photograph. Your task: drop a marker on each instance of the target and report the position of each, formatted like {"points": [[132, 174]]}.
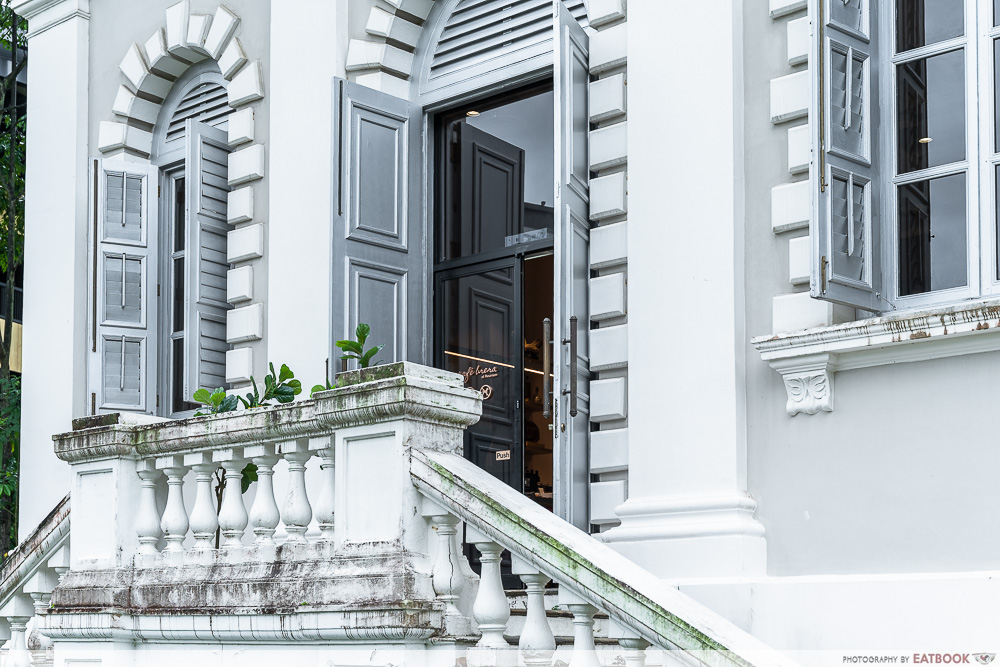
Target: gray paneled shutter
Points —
{"points": [[123, 286], [379, 258], [571, 80], [206, 175], [847, 156]]}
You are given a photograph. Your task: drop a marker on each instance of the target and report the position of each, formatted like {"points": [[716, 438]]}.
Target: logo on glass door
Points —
{"points": [[486, 391]]}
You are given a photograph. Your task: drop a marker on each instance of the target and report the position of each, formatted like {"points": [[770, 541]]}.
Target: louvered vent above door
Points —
{"points": [[207, 102], [485, 41]]}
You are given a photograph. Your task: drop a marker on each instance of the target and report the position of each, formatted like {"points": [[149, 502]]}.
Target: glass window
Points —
{"points": [[923, 22], [933, 238], [930, 98]]}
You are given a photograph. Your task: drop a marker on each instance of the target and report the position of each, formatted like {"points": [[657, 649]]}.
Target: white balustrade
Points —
{"points": [[635, 651], [18, 656], [537, 643], [264, 516], [296, 513], [584, 650], [233, 517], [204, 517], [491, 609], [325, 506], [447, 572], [174, 522], [147, 520]]}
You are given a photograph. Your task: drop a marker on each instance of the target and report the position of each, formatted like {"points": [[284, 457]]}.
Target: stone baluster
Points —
{"points": [[18, 611], [174, 522], [296, 513], [326, 505], [18, 656], [635, 651], [584, 650], [233, 517], [204, 514], [447, 574], [537, 643], [39, 587], [491, 609], [264, 514], [147, 520]]}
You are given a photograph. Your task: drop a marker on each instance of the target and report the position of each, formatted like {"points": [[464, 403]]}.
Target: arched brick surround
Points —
{"points": [[148, 73]]}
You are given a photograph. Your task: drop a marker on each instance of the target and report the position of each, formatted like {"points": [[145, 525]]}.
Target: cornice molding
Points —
{"points": [[808, 359]]}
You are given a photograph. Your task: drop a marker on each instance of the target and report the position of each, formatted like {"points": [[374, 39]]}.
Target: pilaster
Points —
{"points": [[688, 512], [55, 253]]}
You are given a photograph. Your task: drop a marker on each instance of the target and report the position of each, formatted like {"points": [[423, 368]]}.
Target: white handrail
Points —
{"points": [[633, 597]]}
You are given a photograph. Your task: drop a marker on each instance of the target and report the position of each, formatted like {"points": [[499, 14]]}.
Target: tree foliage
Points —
{"points": [[13, 39], [10, 441]]}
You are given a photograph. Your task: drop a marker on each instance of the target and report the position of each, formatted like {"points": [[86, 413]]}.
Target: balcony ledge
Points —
{"points": [[809, 359]]}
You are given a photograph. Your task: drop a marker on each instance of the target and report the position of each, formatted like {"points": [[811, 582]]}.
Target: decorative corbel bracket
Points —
{"points": [[808, 382]]}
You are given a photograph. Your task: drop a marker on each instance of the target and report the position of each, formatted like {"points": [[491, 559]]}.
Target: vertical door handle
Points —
{"points": [[546, 368]]}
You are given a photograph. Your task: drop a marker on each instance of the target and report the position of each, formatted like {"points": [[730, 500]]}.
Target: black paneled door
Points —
{"points": [[479, 310]]}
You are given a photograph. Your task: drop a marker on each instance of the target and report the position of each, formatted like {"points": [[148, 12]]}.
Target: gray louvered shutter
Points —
{"points": [[123, 270], [206, 171], [847, 156], [379, 259], [571, 79]]}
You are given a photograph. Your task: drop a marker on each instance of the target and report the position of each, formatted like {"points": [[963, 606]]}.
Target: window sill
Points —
{"points": [[808, 359]]}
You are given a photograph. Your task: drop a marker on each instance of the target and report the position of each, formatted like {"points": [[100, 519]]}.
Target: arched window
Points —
{"points": [[162, 257]]}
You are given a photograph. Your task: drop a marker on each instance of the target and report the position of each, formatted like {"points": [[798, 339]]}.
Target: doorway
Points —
{"points": [[494, 278]]}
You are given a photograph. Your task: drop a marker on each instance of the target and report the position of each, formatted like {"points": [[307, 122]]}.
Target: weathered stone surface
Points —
{"points": [[306, 578]]}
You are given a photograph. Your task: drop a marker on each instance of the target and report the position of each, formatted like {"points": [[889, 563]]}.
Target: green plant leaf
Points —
{"points": [[367, 357], [249, 477], [286, 373], [362, 333], [201, 396], [351, 346], [229, 404], [296, 385], [316, 388], [284, 394]]}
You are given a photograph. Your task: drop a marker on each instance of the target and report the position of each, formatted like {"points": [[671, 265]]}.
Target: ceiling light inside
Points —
{"points": [[925, 140], [472, 113]]}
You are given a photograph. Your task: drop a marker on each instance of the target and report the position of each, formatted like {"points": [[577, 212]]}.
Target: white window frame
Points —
{"points": [[978, 268]]}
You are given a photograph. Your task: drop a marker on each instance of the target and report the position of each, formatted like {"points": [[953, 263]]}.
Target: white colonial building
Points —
{"points": [[699, 305]]}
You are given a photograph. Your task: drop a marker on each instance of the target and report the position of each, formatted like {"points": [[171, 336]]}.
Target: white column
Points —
{"points": [[296, 513], [204, 515], [174, 522], [233, 517], [635, 651], [584, 651], [491, 609], [305, 55], [686, 404], [326, 505], [537, 643], [55, 342], [147, 520], [264, 514]]}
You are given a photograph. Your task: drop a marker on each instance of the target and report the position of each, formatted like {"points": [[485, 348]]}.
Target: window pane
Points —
{"points": [[996, 90], [179, 214], [922, 22], [996, 194], [932, 235], [178, 295], [996, 12], [930, 107]]}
